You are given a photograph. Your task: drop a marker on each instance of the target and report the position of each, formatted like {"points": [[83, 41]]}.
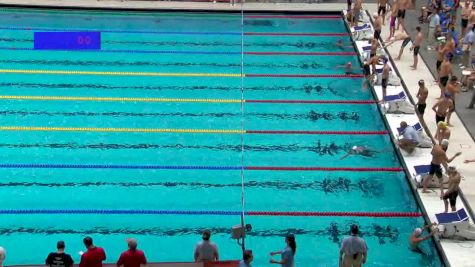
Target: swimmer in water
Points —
{"points": [[415, 239], [348, 68], [361, 151], [340, 44]]}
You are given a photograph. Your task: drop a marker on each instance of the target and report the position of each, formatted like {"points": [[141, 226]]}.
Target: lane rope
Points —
{"points": [[188, 167], [175, 130], [165, 74], [211, 212], [292, 17], [118, 73], [294, 34], [192, 52], [184, 100]]}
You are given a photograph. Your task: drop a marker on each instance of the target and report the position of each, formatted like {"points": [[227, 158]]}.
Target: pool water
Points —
{"points": [[62, 172]]}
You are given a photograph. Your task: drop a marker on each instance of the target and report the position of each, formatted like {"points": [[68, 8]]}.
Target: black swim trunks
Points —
{"points": [[377, 34], [452, 197], [366, 70], [405, 42], [381, 9], [401, 13], [439, 118], [372, 54], [421, 108], [416, 50], [464, 23], [384, 83], [435, 169], [444, 80], [437, 64]]}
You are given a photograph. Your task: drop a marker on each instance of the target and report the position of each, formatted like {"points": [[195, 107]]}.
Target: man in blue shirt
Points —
{"points": [[410, 138], [468, 39]]}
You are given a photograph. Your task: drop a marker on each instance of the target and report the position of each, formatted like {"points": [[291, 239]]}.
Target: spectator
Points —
{"points": [[3, 255], [94, 256], [247, 258], [353, 250], [434, 22], [443, 132], [453, 189], [468, 39], [206, 250], [466, 10], [288, 253], [132, 257], [410, 138], [59, 258], [415, 239], [439, 157]]}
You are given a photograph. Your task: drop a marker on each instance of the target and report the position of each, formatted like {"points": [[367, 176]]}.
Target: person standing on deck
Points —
{"points": [[378, 25], [466, 11], [353, 250], [445, 71], [443, 132], [206, 250], [416, 46], [452, 89], [439, 157], [453, 189], [382, 5], [401, 14], [421, 95]]}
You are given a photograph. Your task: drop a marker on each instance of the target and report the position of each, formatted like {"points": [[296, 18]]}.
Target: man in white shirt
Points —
{"points": [[468, 39], [206, 250], [410, 138], [434, 22]]}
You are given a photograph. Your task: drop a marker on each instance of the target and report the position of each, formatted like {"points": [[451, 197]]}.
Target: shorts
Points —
{"points": [[437, 64], [452, 197], [372, 54], [384, 83], [405, 42], [381, 9], [435, 169], [464, 23], [401, 13], [416, 50], [352, 260], [444, 80], [366, 70], [421, 108], [392, 22], [439, 118], [377, 34]]}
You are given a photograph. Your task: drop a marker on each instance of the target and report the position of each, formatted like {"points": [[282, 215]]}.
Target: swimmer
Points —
{"points": [[348, 67], [340, 44], [361, 151], [415, 239]]}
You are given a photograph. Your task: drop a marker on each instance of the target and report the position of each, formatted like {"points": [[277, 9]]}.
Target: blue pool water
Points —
{"points": [[184, 43]]}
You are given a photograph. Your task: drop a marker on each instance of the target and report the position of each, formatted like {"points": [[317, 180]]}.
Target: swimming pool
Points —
{"points": [[147, 137]]}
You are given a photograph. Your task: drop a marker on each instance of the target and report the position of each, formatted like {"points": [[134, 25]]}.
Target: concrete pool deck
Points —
{"points": [[458, 253]]}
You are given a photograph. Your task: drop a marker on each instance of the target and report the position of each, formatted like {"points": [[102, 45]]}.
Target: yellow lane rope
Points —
{"points": [[131, 130], [119, 73], [118, 99]]}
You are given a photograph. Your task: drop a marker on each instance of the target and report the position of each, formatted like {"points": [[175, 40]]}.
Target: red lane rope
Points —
{"points": [[313, 101], [335, 213], [302, 53], [353, 169], [291, 17], [317, 132], [307, 75], [294, 34]]}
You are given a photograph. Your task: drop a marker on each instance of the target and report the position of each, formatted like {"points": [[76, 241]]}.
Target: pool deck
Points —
{"points": [[458, 253]]}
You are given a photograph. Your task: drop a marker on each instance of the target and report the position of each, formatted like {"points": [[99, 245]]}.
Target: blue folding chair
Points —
{"points": [[399, 96]]}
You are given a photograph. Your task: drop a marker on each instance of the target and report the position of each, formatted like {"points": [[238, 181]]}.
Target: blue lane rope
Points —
{"points": [[109, 166]]}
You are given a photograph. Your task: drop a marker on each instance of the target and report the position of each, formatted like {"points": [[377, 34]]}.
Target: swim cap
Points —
{"points": [[354, 147], [417, 231], [421, 82], [442, 124], [444, 142]]}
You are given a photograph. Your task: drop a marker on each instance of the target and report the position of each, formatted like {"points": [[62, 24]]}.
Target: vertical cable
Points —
{"points": [[242, 123]]}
